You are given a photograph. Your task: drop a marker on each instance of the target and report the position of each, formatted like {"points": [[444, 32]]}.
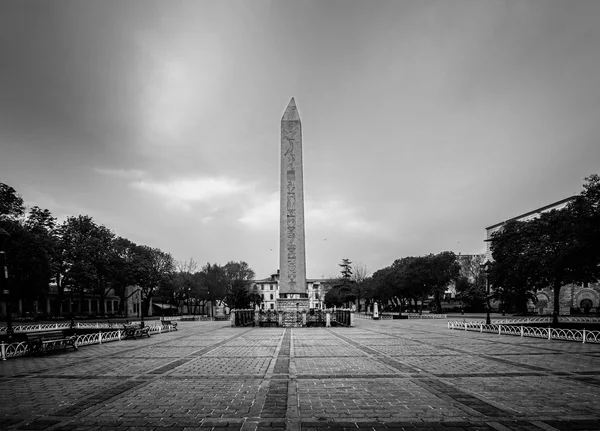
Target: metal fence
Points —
{"points": [[387, 315], [579, 335], [244, 317], [78, 325], [341, 318], [316, 318], [12, 350]]}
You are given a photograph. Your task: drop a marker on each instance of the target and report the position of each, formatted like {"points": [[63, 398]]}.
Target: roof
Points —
{"points": [[539, 210]]}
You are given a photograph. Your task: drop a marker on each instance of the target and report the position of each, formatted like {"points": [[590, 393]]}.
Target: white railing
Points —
{"points": [[363, 315], [426, 316], [579, 335], [548, 319], [11, 350], [79, 325]]}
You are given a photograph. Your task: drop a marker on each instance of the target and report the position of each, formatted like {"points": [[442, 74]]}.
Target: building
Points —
{"points": [[576, 299], [530, 215], [268, 288]]}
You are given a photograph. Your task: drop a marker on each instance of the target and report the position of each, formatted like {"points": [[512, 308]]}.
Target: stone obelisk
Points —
{"points": [[292, 256]]}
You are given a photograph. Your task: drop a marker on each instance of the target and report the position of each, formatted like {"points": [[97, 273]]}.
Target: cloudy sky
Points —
{"points": [[424, 121]]}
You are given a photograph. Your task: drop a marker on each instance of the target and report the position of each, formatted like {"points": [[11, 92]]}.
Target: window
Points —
{"points": [[272, 306], [262, 287], [271, 287], [271, 296]]}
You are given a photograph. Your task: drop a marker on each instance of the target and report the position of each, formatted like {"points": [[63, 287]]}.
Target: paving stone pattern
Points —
{"points": [[380, 375]]}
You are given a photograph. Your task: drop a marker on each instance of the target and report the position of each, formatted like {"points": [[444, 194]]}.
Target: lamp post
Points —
{"points": [[485, 267], [4, 289]]}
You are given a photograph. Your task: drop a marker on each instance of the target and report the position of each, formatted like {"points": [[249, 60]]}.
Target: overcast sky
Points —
{"points": [[423, 121]]}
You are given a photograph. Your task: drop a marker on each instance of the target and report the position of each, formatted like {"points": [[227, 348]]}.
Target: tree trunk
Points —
{"points": [[438, 301], [556, 289], [57, 306], [145, 306], [81, 299]]}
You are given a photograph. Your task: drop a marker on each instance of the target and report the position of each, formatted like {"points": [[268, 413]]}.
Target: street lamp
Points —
{"points": [[485, 267], [4, 289]]}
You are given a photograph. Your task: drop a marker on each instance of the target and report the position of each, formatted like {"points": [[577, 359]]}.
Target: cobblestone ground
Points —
{"points": [[380, 375]]}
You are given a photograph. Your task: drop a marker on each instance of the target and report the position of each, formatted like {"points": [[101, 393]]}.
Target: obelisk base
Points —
{"points": [[293, 311]]}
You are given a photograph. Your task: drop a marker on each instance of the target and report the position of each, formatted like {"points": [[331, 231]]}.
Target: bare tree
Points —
{"points": [[360, 273], [187, 266], [470, 267]]}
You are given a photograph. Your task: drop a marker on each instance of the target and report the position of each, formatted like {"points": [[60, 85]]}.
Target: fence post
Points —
{"points": [[39, 327], [3, 350], [119, 332], [584, 334], [549, 334], [99, 337], [327, 319], [499, 329], [56, 326], [521, 331], [97, 325], [481, 327]]}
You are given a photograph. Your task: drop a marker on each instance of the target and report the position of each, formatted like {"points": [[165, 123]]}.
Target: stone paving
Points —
{"points": [[380, 375]]}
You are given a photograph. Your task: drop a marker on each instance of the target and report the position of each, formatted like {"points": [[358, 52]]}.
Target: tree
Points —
{"points": [[444, 268], [470, 284], [153, 268], [11, 203], [559, 247], [334, 297], [213, 283], [238, 277], [471, 294], [514, 263], [85, 257], [185, 285], [346, 271], [360, 274], [122, 271]]}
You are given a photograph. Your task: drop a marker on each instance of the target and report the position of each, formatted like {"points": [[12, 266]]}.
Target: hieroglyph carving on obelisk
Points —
{"points": [[292, 256]]}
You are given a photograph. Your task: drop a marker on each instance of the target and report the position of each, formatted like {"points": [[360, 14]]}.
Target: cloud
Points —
{"points": [[182, 192], [336, 213], [126, 174], [264, 214], [185, 191]]}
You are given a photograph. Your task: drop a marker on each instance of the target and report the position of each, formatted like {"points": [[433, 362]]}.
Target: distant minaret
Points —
{"points": [[292, 256]]}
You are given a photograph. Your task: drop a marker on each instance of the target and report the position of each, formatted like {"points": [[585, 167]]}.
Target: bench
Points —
{"points": [[169, 322], [49, 341], [134, 331]]}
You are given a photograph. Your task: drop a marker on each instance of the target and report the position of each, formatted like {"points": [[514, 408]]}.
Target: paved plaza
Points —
{"points": [[392, 374]]}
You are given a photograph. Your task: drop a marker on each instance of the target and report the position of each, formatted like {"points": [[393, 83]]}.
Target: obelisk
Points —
{"points": [[292, 256]]}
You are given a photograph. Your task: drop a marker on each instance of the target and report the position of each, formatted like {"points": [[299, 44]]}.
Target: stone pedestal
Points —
{"points": [[293, 304], [292, 311]]}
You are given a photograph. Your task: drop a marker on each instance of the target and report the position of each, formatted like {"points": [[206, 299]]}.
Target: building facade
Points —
{"points": [[268, 288]]}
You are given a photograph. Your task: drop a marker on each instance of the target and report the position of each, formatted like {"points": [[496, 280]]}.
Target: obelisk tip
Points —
{"points": [[291, 112]]}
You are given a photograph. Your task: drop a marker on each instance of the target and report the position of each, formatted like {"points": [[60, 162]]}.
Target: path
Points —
{"points": [[379, 375]]}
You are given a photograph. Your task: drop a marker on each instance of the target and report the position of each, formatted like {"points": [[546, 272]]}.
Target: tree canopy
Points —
{"points": [[558, 248]]}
